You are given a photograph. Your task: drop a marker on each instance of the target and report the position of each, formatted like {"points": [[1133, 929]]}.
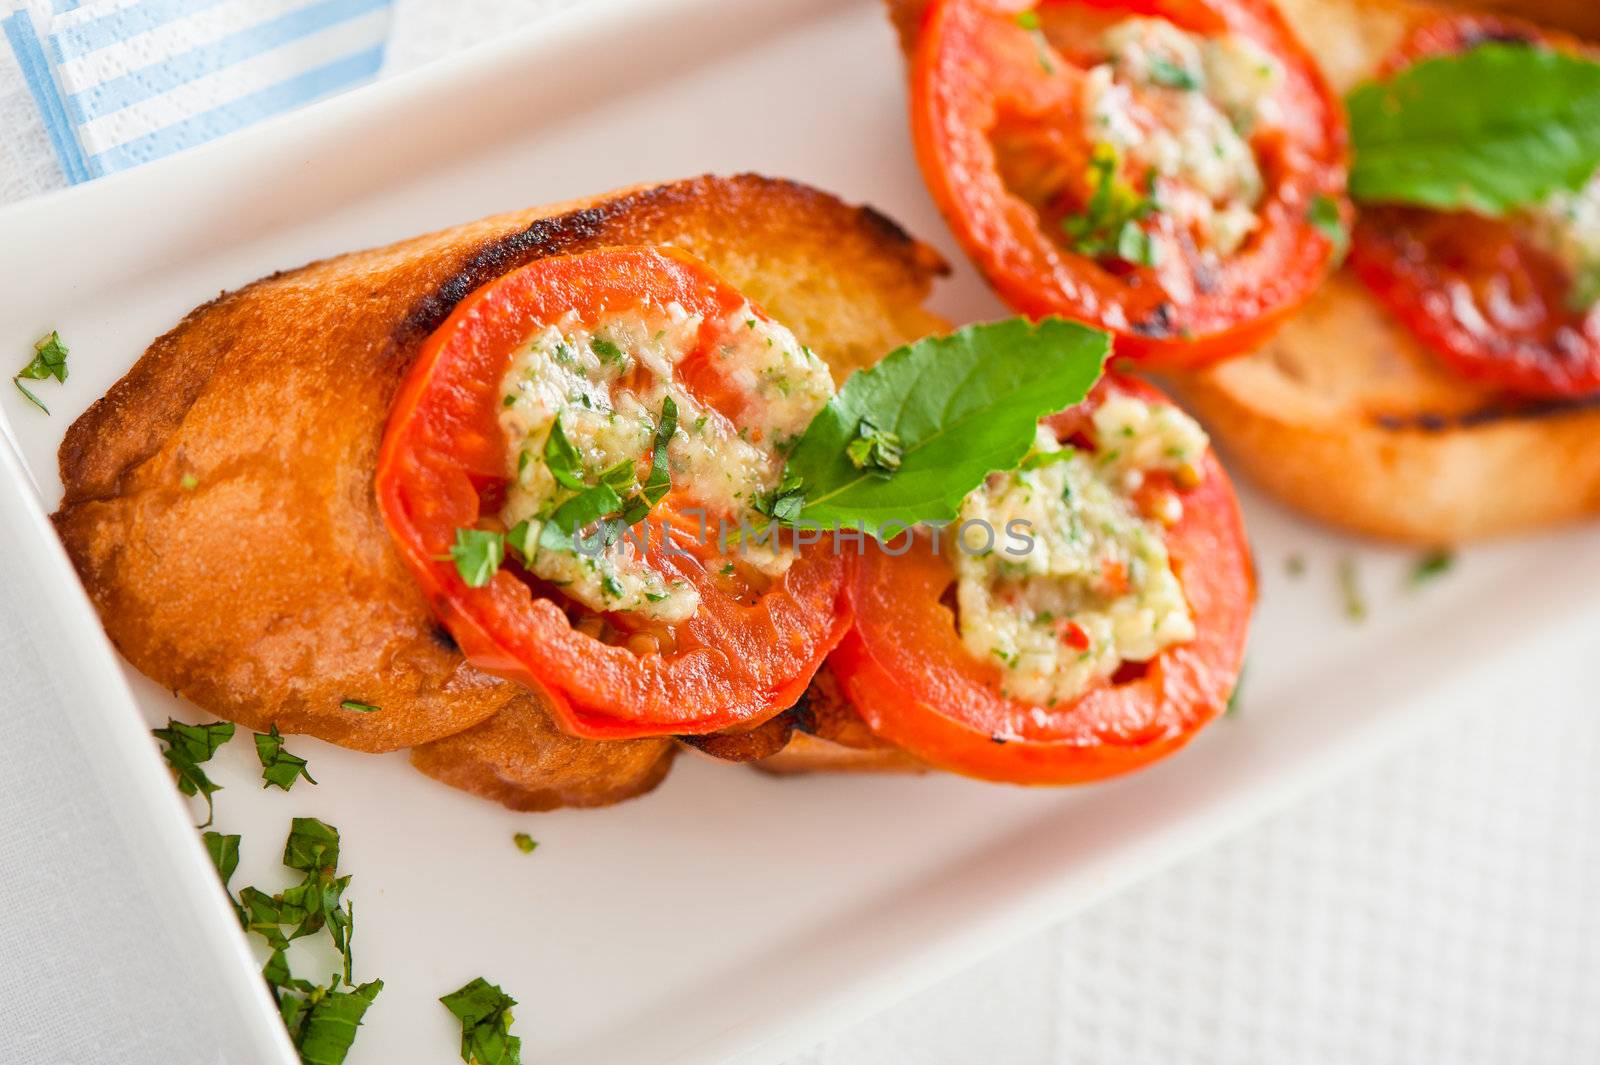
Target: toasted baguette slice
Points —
{"points": [[219, 502], [1347, 417], [1343, 414]]}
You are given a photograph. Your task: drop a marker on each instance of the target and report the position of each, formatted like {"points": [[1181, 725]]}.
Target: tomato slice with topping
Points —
{"points": [[565, 376], [1072, 714], [1163, 169], [1512, 302]]}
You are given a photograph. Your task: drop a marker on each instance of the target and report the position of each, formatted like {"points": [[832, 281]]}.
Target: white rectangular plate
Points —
{"points": [[727, 913]]}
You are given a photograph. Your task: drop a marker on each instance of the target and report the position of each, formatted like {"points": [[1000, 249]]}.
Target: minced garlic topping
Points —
{"points": [[1095, 587], [607, 382], [1183, 106]]}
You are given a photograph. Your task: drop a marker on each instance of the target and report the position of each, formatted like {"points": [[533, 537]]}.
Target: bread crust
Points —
{"points": [[829, 736], [219, 502]]}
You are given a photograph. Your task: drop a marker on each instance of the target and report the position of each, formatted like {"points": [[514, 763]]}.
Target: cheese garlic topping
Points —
{"points": [[1182, 106], [1091, 586], [597, 392]]}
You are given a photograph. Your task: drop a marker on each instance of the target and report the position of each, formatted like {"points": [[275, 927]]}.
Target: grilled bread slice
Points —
{"points": [[219, 500], [1343, 414], [1347, 417]]}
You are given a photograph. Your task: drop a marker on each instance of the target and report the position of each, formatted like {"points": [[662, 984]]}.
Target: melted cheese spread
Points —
{"points": [[607, 382], [1094, 588], [1182, 106]]}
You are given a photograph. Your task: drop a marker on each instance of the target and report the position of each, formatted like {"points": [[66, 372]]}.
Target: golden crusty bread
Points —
{"points": [[267, 591], [1347, 417]]}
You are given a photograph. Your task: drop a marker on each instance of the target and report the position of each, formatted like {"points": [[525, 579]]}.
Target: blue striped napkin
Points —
{"points": [[122, 82]]}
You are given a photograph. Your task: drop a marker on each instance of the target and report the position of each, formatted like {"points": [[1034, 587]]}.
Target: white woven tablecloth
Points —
{"points": [[1441, 906]]}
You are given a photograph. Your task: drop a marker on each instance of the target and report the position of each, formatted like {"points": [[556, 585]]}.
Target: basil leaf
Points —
{"points": [[485, 1015], [659, 482], [279, 768], [584, 509], [962, 407], [561, 458], [525, 843], [224, 851], [187, 748], [49, 360], [327, 1029], [477, 554], [312, 844], [1490, 130]]}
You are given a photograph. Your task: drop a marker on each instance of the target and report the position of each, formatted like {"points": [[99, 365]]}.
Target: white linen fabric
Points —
{"points": [[1438, 906]]}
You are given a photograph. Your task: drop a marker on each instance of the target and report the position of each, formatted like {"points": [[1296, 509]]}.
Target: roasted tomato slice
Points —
{"points": [[1054, 701], [555, 379], [1152, 167], [1510, 302]]}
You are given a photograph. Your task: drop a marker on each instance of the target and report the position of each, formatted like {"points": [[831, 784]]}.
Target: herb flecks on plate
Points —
{"points": [[279, 768], [49, 360], [1429, 567], [321, 1018], [485, 1015], [187, 748]]}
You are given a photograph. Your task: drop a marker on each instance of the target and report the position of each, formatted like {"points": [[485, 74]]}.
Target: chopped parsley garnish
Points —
{"points": [[1434, 564], [224, 851], [485, 1015], [1323, 214], [359, 707], [525, 843], [784, 502], [321, 1019], [1295, 565], [1029, 20], [1355, 604], [188, 482], [562, 459], [659, 483], [874, 450], [187, 748], [1233, 696], [1169, 74], [607, 351], [605, 503], [1108, 227], [49, 360], [279, 768], [520, 539], [477, 554]]}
